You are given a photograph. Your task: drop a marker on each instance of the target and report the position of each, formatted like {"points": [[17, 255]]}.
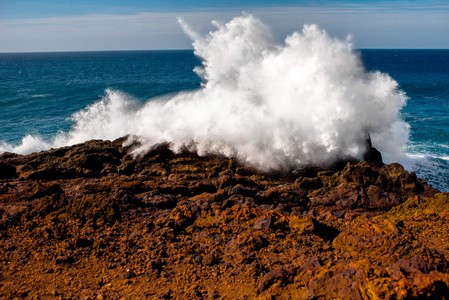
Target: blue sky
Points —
{"points": [[76, 25]]}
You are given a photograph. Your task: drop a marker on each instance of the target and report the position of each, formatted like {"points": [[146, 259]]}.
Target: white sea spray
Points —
{"points": [[308, 101]]}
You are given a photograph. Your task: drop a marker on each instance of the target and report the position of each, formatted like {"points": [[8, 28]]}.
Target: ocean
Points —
{"points": [[43, 97]]}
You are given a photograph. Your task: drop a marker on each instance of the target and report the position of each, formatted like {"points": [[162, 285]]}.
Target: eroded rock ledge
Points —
{"points": [[90, 222]]}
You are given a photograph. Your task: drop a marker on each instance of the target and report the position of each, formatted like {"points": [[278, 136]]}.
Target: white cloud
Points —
{"points": [[93, 32], [380, 26]]}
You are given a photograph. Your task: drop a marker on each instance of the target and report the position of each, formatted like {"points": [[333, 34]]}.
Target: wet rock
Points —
{"points": [[373, 156]]}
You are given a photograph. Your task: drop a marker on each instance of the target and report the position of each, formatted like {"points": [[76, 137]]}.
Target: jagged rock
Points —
{"points": [[277, 276], [93, 221], [7, 171], [301, 225], [262, 222], [64, 260]]}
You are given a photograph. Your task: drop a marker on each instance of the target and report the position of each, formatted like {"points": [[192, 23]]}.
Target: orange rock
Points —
{"points": [[90, 221]]}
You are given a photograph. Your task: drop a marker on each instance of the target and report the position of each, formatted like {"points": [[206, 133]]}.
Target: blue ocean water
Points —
{"points": [[39, 93], [424, 76]]}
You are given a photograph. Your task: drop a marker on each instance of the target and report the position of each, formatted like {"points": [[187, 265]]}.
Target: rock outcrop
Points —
{"points": [[91, 222]]}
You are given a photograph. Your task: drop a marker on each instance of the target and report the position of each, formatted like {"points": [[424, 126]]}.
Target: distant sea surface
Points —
{"points": [[39, 93]]}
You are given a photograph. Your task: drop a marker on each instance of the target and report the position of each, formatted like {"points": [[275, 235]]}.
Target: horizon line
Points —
{"points": [[177, 49]]}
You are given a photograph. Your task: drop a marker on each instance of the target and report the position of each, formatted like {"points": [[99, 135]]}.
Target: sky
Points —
{"points": [[86, 25]]}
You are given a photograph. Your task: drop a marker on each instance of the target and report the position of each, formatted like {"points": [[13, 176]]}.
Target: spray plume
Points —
{"points": [[306, 102]]}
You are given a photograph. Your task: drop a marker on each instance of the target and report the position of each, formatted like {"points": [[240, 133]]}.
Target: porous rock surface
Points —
{"points": [[91, 222]]}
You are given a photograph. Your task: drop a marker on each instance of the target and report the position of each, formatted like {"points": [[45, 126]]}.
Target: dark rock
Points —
{"points": [[165, 295], [160, 200], [309, 183], [202, 187], [373, 156], [310, 264], [127, 274], [239, 189], [7, 171], [278, 275], [262, 223], [415, 264], [209, 259], [246, 243], [64, 260], [83, 243], [9, 245], [212, 227], [48, 190]]}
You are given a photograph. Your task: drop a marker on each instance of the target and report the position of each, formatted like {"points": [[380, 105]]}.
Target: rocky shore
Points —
{"points": [[91, 222]]}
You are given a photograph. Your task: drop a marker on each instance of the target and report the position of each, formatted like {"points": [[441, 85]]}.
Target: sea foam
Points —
{"points": [[307, 101]]}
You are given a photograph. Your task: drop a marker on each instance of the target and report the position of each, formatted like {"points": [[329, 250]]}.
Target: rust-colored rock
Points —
{"points": [[91, 222]]}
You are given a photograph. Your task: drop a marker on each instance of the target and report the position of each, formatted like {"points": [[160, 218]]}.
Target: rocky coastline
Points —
{"points": [[91, 222]]}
